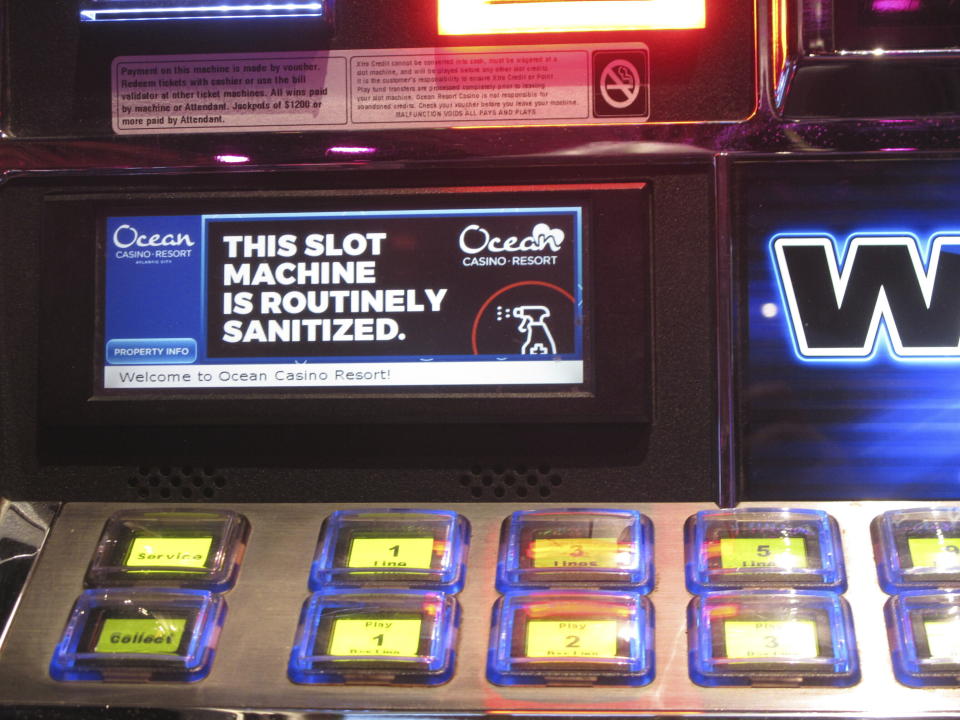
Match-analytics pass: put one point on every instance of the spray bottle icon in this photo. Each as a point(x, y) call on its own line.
point(539, 341)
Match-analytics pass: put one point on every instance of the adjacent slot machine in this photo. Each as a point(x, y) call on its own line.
point(480, 357)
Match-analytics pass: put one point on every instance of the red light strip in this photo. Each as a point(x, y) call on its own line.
point(496, 17)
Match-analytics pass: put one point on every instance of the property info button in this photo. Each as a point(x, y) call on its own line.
point(162, 351)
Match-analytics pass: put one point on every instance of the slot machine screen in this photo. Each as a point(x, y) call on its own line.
point(849, 335)
point(443, 297)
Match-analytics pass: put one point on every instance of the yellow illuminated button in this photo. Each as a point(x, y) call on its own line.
point(943, 638)
point(938, 552)
point(780, 552)
point(153, 636)
point(771, 639)
point(579, 553)
point(572, 638)
point(402, 552)
point(183, 552)
point(375, 637)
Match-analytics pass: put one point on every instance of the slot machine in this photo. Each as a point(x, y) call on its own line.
point(480, 357)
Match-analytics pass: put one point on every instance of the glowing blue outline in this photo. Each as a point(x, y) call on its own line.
point(224, 10)
point(882, 339)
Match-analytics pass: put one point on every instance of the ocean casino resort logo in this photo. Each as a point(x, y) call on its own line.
point(475, 239)
point(131, 244)
point(837, 307)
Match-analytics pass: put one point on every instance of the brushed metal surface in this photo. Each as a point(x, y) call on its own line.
point(250, 668)
point(24, 527)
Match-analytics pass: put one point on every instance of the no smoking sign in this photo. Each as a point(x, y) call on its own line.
point(620, 83)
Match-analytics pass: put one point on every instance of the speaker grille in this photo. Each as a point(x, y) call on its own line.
point(500, 482)
point(166, 482)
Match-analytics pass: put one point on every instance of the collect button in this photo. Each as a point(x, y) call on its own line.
point(139, 636)
point(153, 351)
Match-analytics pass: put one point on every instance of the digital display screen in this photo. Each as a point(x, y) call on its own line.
point(771, 639)
point(580, 552)
point(572, 639)
point(474, 296)
point(943, 638)
point(850, 347)
point(391, 552)
point(780, 552)
point(375, 637)
point(184, 552)
point(935, 552)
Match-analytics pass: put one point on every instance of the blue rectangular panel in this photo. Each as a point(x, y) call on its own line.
point(849, 322)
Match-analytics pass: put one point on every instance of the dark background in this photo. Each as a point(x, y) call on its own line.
point(417, 253)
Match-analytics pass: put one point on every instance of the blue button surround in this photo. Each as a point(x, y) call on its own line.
point(892, 532)
point(836, 664)
point(75, 660)
point(704, 532)
point(310, 660)
point(914, 661)
point(634, 533)
point(447, 572)
point(634, 665)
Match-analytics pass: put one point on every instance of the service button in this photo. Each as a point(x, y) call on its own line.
point(170, 548)
point(139, 635)
point(572, 637)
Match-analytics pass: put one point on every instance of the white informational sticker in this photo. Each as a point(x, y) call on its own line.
point(379, 89)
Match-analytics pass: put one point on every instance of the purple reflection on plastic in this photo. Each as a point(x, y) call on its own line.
point(232, 159)
point(351, 150)
point(885, 6)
